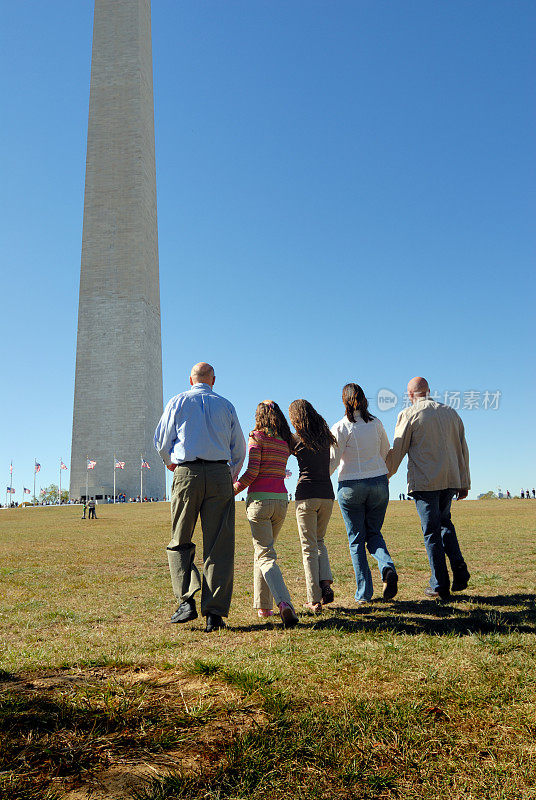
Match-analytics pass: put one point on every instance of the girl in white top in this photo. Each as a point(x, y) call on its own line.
point(363, 490)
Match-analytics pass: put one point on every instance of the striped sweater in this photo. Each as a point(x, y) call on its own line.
point(267, 462)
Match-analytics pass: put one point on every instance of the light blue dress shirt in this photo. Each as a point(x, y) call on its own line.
point(200, 424)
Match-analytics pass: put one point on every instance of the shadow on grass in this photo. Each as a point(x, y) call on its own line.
point(43, 739)
point(426, 616)
point(528, 600)
point(440, 619)
point(48, 737)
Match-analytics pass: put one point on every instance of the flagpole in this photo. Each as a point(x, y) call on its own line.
point(59, 500)
point(87, 479)
point(33, 499)
point(11, 483)
point(141, 478)
point(114, 476)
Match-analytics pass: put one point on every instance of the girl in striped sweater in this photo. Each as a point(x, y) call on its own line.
point(270, 445)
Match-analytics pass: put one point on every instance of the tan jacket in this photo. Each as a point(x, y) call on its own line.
point(433, 437)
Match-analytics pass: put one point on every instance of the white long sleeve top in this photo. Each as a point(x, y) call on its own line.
point(360, 450)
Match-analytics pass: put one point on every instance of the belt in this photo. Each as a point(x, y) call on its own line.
point(201, 461)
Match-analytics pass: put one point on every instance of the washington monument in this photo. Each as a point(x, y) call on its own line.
point(118, 382)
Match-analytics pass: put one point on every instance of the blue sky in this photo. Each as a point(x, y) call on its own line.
point(346, 192)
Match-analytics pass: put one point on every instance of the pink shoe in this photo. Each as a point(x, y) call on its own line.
point(288, 615)
point(316, 608)
point(265, 612)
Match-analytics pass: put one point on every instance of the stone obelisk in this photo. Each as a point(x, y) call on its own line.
point(118, 383)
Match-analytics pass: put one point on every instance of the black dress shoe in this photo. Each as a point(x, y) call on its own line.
point(460, 581)
point(328, 595)
point(185, 612)
point(439, 595)
point(214, 621)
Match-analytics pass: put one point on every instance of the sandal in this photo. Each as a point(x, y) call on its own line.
point(316, 608)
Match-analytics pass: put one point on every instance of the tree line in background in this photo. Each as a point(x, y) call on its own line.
point(50, 494)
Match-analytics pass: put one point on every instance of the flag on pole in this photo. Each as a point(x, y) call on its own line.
point(10, 490)
point(145, 464)
point(42, 492)
point(119, 465)
point(11, 468)
point(91, 464)
point(62, 465)
point(26, 491)
point(37, 466)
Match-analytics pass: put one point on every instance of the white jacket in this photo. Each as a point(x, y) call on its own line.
point(361, 449)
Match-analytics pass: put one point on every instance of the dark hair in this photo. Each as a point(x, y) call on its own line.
point(312, 429)
point(270, 419)
point(354, 400)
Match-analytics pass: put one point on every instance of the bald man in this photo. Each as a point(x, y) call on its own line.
point(200, 440)
point(433, 437)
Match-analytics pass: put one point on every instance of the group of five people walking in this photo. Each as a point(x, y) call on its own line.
point(200, 440)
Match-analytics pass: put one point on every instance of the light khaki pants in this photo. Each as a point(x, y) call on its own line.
point(313, 516)
point(265, 519)
point(203, 489)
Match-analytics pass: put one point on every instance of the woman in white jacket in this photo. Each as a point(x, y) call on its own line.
point(363, 490)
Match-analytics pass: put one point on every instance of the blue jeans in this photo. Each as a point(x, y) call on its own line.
point(363, 505)
point(440, 538)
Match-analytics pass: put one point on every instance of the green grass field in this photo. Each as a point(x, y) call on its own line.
point(102, 698)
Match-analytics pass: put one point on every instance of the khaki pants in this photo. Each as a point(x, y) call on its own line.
point(203, 489)
point(312, 516)
point(265, 519)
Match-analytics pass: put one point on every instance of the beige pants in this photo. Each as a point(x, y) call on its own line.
point(313, 516)
point(265, 519)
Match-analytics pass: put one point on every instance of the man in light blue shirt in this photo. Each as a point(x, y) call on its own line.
point(200, 440)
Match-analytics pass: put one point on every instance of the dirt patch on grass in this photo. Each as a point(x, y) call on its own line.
point(100, 732)
point(115, 782)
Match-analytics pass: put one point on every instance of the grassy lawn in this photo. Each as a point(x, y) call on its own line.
point(407, 699)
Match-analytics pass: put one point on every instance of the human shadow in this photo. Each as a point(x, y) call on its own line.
point(528, 600)
point(502, 614)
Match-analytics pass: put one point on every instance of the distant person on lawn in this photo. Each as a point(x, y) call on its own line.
point(433, 437)
point(200, 440)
